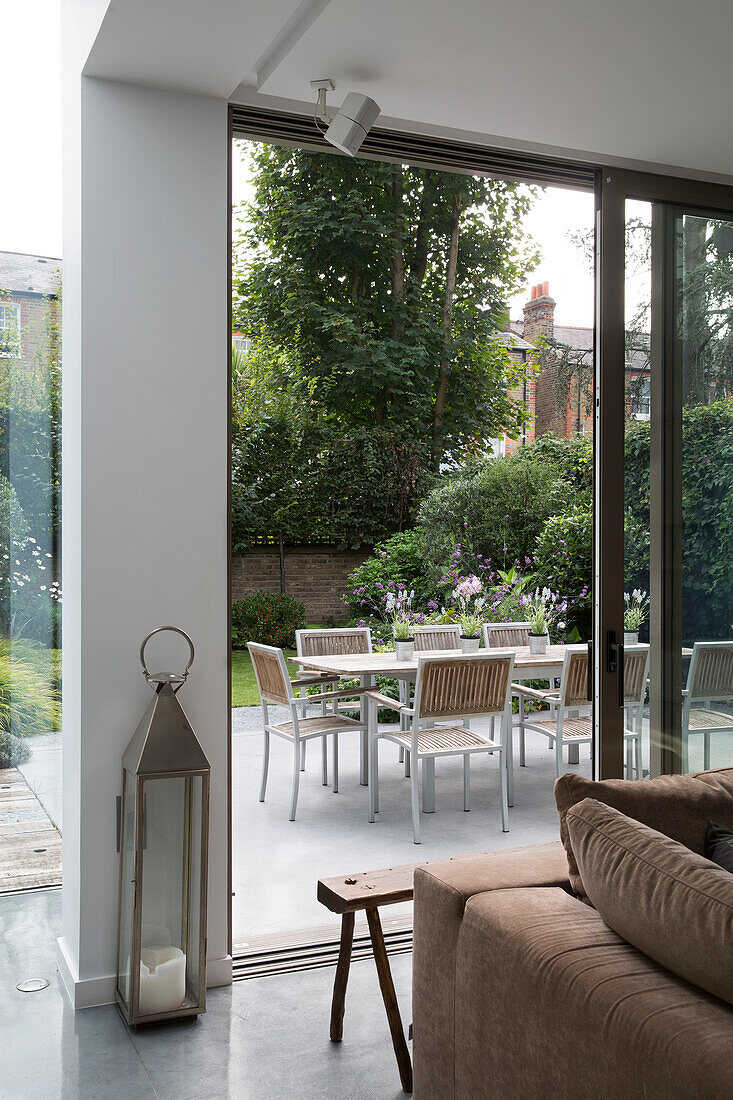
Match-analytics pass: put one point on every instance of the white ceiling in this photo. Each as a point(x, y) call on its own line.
point(634, 81)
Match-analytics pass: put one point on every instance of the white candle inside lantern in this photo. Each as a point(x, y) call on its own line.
point(162, 979)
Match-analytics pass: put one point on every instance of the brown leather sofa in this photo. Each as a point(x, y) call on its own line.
point(520, 990)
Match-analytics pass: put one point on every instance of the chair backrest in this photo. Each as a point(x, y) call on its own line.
point(323, 643)
point(271, 673)
point(711, 671)
point(636, 669)
point(506, 634)
point(574, 682)
point(440, 636)
point(479, 683)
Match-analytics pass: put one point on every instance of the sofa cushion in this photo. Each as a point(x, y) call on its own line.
point(719, 845)
point(671, 903)
point(679, 806)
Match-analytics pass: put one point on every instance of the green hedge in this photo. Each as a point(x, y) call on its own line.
point(269, 618)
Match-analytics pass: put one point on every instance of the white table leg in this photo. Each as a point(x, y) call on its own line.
point(365, 681)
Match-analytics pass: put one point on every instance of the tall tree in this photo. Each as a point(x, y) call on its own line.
point(385, 284)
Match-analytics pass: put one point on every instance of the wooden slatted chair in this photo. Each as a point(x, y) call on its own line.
point(275, 688)
point(709, 681)
point(323, 643)
point(437, 636)
point(568, 721)
point(511, 635)
point(636, 672)
point(453, 688)
point(431, 637)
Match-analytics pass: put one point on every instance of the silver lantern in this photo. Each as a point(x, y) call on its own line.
point(163, 842)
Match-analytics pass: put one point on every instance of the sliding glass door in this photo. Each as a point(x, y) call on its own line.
point(664, 531)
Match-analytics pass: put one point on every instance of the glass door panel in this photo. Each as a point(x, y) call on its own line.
point(703, 349)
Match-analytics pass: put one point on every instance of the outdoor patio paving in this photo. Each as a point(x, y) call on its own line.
point(277, 863)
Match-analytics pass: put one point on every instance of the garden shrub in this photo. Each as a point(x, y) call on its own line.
point(270, 618)
point(564, 562)
point(29, 694)
point(393, 564)
point(13, 750)
point(496, 508)
point(707, 506)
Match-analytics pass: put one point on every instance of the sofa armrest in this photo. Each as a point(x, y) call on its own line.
point(442, 891)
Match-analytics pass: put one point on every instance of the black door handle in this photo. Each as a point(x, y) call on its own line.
point(615, 662)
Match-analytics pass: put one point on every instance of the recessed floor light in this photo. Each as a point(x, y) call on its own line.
point(33, 985)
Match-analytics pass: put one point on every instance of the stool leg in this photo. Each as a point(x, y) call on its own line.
point(342, 977)
point(389, 997)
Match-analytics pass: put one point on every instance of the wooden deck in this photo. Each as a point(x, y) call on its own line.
point(30, 845)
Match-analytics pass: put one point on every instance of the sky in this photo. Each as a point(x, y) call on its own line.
point(30, 185)
point(30, 91)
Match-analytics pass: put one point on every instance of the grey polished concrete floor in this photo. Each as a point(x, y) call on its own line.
point(263, 1039)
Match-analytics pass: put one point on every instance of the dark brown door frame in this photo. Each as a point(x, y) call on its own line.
point(668, 196)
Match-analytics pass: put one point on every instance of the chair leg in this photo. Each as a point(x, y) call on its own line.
point(706, 751)
point(522, 733)
point(415, 805)
point(401, 757)
point(638, 747)
point(302, 755)
point(467, 781)
point(335, 763)
point(558, 757)
point(324, 761)
point(303, 703)
point(428, 785)
point(504, 796)
point(408, 764)
point(265, 765)
point(296, 781)
point(629, 761)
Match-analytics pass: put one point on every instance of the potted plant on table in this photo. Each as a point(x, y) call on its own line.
point(635, 613)
point(538, 618)
point(470, 632)
point(398, 609)
point(469, 596)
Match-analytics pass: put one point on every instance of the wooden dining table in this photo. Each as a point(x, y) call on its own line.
point(366, 666)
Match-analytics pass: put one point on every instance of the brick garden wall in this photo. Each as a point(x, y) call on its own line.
point(315, 575)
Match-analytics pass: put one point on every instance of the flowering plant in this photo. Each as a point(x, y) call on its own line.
point(635, 610)
point(398, 609)
point(540, 608)
point(471, 625)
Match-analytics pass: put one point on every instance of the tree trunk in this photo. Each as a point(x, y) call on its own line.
point(444, 371)
point(397, 260)
point(419, 264)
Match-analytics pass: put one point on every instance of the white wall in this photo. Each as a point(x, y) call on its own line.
point(145, 471)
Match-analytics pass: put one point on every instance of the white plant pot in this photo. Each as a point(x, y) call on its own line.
point(403, 649)
point(631, 637)
point(470, 645)
point(538, 643)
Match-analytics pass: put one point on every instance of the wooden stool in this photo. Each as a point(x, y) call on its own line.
point(368, 891)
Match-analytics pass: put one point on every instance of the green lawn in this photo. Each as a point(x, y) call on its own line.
point(244, 685)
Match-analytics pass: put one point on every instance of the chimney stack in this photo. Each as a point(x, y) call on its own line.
point(539, 313)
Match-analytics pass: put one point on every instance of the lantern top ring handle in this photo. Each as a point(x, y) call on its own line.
point(177, 678)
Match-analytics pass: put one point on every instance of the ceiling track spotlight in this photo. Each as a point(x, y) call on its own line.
point(346, 129)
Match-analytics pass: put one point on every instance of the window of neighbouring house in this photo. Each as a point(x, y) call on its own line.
point(9, 330)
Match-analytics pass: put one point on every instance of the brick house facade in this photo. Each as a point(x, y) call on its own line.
point(29, 311)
